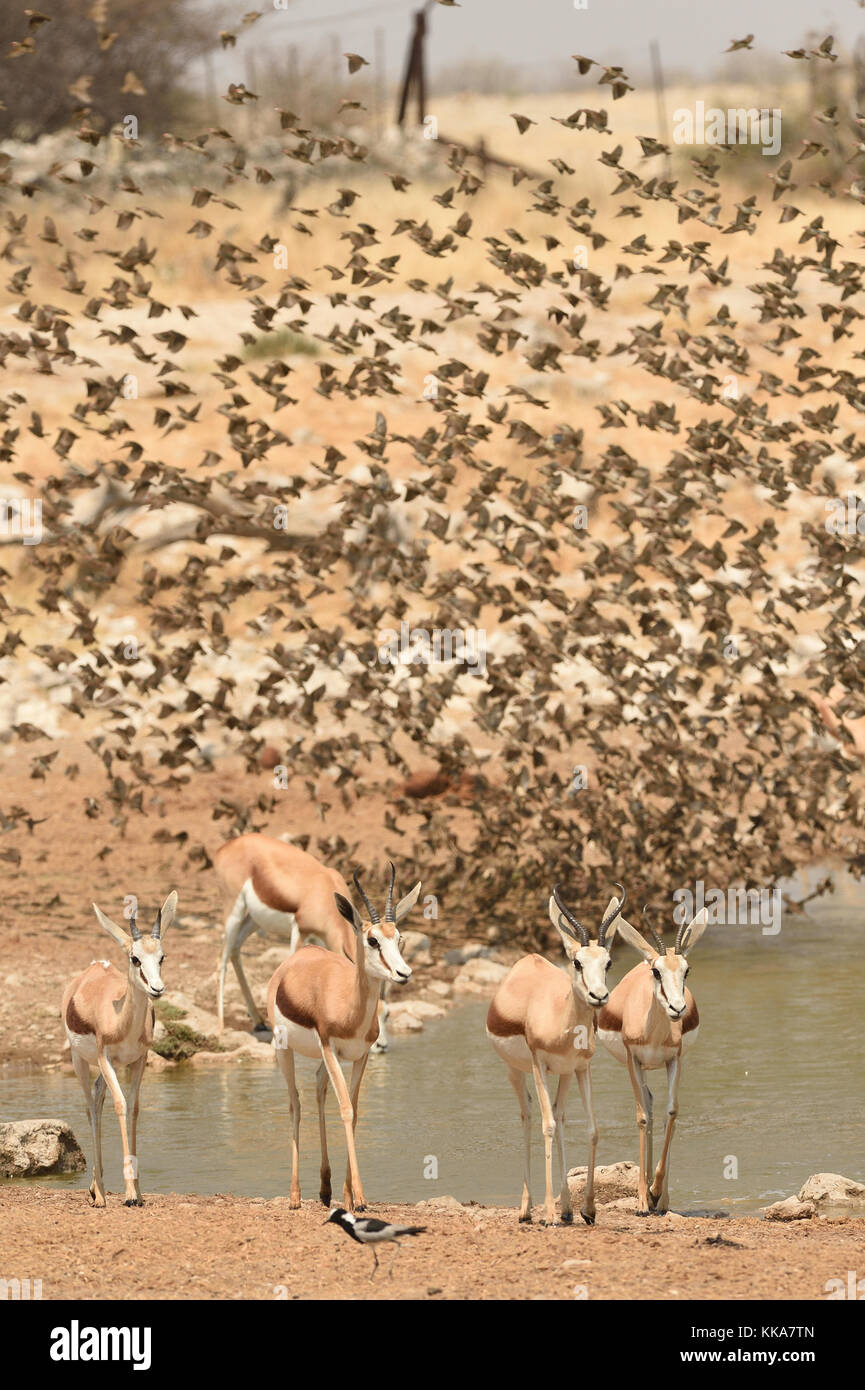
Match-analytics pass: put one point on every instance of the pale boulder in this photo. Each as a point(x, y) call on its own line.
point(612, 1182)
point(791, 1209)
point(834, 1195)
point(29, 1148)
point(480, 976)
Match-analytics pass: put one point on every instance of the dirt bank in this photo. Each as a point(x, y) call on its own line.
point(236, 1248)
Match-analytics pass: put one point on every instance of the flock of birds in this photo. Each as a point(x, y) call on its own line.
point(623, 645)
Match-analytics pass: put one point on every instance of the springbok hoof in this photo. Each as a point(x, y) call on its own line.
point(589, 1219)
point(526, 1220)
point(134, 1202)
point(263, 1032)
point(568, 1218)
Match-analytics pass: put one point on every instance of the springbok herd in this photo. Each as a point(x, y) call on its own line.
point(323, 1002)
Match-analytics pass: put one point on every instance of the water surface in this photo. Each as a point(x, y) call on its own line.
point(772, 1090)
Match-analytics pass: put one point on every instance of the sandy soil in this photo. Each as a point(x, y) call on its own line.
point(234, 1248)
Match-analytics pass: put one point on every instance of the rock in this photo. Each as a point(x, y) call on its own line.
point(443, 988)
point(441, 1204)
point(620, 1204)
point(418, 1008)
point(201, 1020)
point(269, 757)
point(834, 1195)
point(612, 1181)
point(404, 1022)
point(415, 947)
point(29, 1148)
point(460, 954)
point(273, 956)
point(480, 976)
point(791, 1209)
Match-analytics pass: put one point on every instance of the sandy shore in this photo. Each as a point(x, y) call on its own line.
point(179, 1247)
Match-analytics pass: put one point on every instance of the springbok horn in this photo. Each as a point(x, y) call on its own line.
point(682, 939)
point(373, 915)
point(580, 934)
point(133, 929)
point(608, 921)
point(389, 914)
point(158, 927)
point(659, 945)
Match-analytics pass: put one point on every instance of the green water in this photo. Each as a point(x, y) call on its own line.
point(775, 1081)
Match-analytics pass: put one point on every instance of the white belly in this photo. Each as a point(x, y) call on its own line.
point(649, 1058)
point(306, 1042)
point(121, 1055)
point(268, 919)
point(612, 1041)
point(515, 1052)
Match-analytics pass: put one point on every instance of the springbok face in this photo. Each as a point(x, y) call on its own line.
point(668, 979)
point(669, 965)
point(381, 954)
point(145, 952)
point(590, 960)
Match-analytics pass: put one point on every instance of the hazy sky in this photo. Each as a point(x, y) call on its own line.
point(535, 33)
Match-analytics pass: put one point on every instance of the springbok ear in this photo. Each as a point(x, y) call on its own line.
point(634, 938)
point(348, 911)
point(694, 931)
point(120, 936)
point(406, 904)
point(569, 941)
point(168, 913)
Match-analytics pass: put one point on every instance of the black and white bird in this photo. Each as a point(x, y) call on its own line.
point(368, 1230)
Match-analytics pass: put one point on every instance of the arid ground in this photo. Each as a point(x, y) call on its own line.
point(232, 1248)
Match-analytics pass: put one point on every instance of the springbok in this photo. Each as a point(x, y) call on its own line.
point(324, 1006)
point(109, 1024)
point(542, 1020)
point(287, 893)
point(650, 1021)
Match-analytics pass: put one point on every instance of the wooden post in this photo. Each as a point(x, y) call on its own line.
point(421, 67)
point(251, 86)
point(660, 101)
point(414, 69)
point(292, 76)
point(380, 82)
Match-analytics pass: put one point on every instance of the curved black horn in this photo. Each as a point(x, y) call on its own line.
point(158, 925)
point(373, 915)
point(659, 945)
point(608, 921)
point(133, 928)
point(580, 934)
point(682, 936)
point(389, 914)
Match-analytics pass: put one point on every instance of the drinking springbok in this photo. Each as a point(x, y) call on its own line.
point(287, 893)
point(324, 1005)
point(109, 1024)
point(650, 1021)
point(542, 1020)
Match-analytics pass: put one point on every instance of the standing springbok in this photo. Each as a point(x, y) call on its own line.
point(109, 1024)
point(650, 1021)
point(324, 1006)
point(542, 1020)
point(289, 894)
